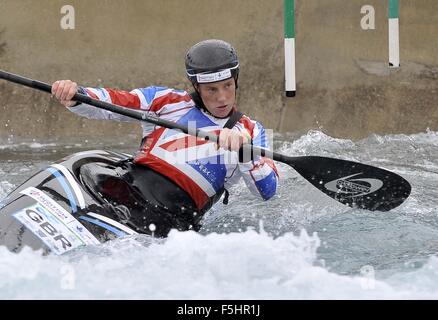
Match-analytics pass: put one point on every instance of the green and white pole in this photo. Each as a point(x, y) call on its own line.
point(289, 47)
point(394, 48)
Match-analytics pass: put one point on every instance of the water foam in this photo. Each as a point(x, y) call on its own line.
point(248, 265)
point(276, 264)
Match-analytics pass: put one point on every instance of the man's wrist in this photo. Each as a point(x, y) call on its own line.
point(81, 90)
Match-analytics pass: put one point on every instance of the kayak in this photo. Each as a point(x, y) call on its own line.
point(84, 199)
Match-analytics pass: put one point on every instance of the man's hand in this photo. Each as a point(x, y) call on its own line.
point(232, 139)
point(64, 90)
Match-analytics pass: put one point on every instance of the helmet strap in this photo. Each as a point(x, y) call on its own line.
point(196, 96)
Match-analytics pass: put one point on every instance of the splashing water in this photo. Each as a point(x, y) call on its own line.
point(299, 245)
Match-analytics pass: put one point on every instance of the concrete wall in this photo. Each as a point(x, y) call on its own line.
point(343, 84)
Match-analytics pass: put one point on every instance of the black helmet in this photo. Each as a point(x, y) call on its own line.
point(211, 61)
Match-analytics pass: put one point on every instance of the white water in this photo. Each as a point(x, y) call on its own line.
point(299, 245)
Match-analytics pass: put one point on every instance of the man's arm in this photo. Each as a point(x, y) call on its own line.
point(150, 99)
point(260, 174)
point(64, 90)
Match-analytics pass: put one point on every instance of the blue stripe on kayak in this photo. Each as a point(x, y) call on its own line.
point(116, 231)
point(65, 186)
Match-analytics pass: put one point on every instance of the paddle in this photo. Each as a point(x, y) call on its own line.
point(351, 183)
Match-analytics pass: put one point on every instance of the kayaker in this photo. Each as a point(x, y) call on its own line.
point(185, 175)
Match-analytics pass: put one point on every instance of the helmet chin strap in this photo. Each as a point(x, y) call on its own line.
point(196, 97)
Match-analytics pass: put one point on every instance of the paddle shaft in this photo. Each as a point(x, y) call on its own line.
point(142, 116)
point(351, 183)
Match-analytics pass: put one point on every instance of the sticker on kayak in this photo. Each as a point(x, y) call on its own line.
point(61, 214)
point(56, 235)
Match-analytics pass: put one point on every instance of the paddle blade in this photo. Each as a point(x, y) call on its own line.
point(354, 184)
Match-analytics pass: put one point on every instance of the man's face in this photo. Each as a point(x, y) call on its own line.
point(218, 97)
